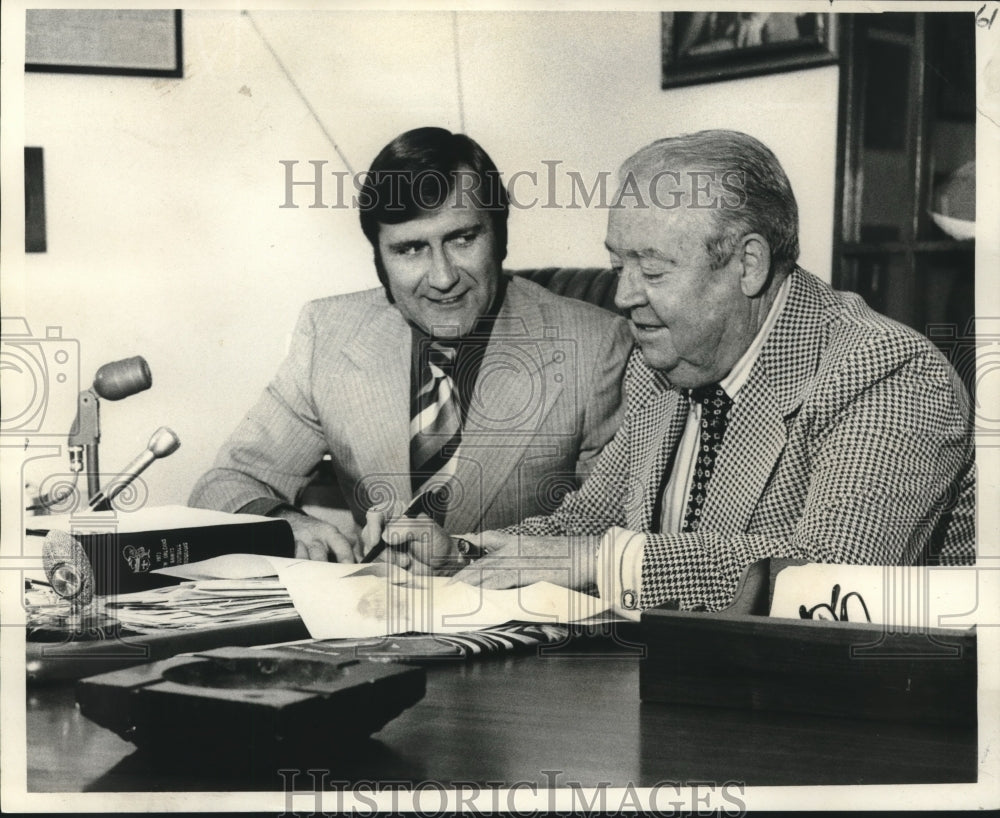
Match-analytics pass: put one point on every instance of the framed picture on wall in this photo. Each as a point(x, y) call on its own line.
point(131, 42)
point(34, 201)
point(710, 46)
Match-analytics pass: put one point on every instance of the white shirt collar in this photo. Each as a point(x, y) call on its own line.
point(738, 375)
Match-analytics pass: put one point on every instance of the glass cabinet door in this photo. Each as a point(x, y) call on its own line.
point(906, 199)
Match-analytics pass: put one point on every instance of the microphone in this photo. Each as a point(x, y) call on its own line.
point(120, 379)
point(163, 442)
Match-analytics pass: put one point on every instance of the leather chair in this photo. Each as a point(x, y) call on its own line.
point(596, 285)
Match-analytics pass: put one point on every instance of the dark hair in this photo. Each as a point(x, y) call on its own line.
point(417, 172)
point(766, 202)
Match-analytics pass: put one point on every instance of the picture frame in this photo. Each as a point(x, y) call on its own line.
point(34, 201)
point(699, 47)
point(124, 42)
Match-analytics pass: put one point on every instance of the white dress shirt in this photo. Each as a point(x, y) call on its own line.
point(619, 556)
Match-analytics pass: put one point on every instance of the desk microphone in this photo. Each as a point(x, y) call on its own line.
point(120, 379)
point(163, 442)
point(113, 381)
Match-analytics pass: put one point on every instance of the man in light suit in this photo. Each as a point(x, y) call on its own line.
point(767, 414)
point(453, 374)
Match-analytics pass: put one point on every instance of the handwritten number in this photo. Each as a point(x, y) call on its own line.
point(982, 21)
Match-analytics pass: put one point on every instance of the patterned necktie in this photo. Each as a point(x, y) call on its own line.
point(715, 406)
point(436, 423)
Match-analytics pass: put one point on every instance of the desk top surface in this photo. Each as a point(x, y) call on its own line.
point(556, 720)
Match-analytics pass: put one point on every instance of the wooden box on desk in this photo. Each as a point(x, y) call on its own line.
point(742, 658)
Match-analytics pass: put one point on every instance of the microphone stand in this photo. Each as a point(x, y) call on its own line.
point(83, 441)
point(113, 381)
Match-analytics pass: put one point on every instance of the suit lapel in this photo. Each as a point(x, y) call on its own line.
point(515, 391)
point(657, 424)
point(377, 400)
point(668, 413)
point(773, 393)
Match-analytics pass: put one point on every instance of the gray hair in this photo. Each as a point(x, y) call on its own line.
point(764, 202)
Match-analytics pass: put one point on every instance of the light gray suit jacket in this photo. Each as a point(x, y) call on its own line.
point(850, 442)
point(547, 399)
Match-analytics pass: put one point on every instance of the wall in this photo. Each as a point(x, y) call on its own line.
point(166, 238)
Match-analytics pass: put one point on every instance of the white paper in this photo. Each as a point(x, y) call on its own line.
point(381, 599)
point(352, 601)
point(229, 566)
point(905, 597)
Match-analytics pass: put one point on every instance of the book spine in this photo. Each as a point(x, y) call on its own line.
point(122, 562)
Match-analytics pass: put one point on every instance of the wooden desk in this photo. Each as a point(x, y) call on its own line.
point(510, 719)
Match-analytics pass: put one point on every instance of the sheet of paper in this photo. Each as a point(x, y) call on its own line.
point(910, 597)
point(230, 566)
point(380, 599)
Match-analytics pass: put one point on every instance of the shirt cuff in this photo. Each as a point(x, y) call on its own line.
point(619, 570)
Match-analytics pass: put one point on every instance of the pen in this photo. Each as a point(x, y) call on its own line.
point(422, 503)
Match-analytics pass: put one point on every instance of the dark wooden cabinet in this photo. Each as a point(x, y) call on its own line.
point(906, 154)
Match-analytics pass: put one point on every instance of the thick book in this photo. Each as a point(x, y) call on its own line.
point(124, 548)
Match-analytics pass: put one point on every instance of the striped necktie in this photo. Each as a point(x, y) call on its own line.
point(715, 406)
point(436, 423)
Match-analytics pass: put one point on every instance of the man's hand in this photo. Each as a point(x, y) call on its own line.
point(417, 544)
point(515, 560)
point(316, 539)
point(372, 532)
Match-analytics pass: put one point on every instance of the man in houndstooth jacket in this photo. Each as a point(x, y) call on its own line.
point(847, 438)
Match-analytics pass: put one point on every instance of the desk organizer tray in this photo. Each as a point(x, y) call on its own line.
point(742, 658)
point(249, 708)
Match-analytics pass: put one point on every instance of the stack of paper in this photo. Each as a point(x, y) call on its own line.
point(339, 601)
point(205, 603)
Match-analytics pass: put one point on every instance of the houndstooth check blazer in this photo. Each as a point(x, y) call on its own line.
point(848, 443)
